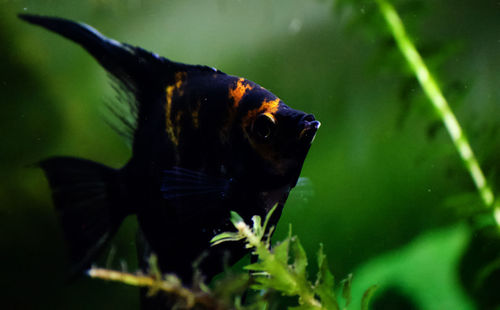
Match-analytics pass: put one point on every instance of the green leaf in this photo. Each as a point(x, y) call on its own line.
point(346, 289)
point(300, 257)
point(256, 267)
point(272, 275)
point(257, 227)
point(236, 218)
point(427, 264)
point(225, 236)
point(367, 297)
point(325, 282)
point(261, 283)
point(282, 284)
point(268, 217)
point(280, 251)
point(324, 277)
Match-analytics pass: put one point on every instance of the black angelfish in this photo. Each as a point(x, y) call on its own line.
point(203, 143)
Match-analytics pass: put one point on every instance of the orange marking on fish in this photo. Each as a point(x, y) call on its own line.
point(271, 116)
point(239, 91)
point(178, 118)
point(171, 90)
point(272, 106)
point(170, 127)
point(268, 107)
point(180, 77)
point(236, 93)
point(195, 115)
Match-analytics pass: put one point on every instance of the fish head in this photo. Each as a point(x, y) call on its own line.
point(277, 139)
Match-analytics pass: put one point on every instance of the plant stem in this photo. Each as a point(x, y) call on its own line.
point(171, 286)
point(433, 92)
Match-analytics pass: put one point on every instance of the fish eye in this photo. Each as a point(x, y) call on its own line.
point(263, 126)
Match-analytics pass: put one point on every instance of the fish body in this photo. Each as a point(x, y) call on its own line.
point(203, 143)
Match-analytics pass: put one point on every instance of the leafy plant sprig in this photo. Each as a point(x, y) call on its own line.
point(283, 268)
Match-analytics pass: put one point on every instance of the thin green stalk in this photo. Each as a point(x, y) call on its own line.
point(433, 92)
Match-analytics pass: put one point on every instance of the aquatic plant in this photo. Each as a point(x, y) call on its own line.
point(281, 269)
point(440, 104)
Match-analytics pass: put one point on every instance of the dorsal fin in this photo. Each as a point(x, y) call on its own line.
point(138, 71)
point(123, 61)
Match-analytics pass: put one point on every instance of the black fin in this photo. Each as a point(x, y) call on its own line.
point(123, 113)
point(131, 67)
point(180, 182)
point(137, 71)
point(125, 62)
point(188, 190)
point(87, 199)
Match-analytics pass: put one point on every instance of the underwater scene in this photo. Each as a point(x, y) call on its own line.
point(259, 154)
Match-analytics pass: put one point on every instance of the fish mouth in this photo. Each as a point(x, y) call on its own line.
point(311, 126)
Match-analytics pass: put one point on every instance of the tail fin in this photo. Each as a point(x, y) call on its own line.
point(87, 199)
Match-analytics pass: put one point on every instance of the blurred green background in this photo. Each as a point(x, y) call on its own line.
point(389, 197)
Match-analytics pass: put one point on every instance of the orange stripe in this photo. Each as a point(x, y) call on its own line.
point(268, 107)
point(173, 133)
point(195, 114)
point(235, 93)
point(239, 91)
point(170, 125)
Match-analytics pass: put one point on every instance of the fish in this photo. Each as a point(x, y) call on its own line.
point(203, 143)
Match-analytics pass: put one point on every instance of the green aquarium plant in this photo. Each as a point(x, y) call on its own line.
point(440, 104)
point(279, 269)
point(471, 252)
